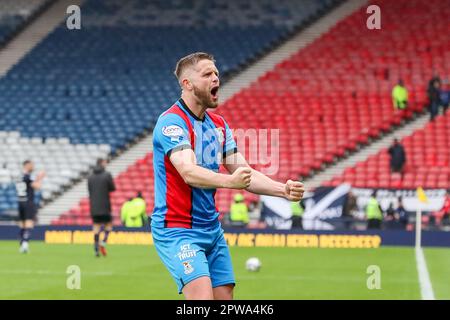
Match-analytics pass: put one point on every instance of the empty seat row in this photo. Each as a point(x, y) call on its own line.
point(331, 96)
point(14, 14)
point(427, 165)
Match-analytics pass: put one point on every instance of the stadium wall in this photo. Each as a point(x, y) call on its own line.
point(245, 237)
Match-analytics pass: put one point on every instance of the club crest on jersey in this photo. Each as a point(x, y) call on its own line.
point(220, 135)
point(173, 131)
point(188, 268)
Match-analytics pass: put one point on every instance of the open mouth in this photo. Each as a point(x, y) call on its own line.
point(214, 92)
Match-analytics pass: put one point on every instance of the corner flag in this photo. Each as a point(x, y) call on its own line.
point(421, 195)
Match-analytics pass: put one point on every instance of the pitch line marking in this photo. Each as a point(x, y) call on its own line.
point(426, 289)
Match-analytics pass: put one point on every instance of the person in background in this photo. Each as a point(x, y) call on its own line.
point(401, 214)
point(349, 209)
point(297, 210)
point(434, 96)
point(125, 209)
point(374, 213)
point(443, 216)
point(100, 185)
point(134, 213)
point(398, 157)
point(27, 208)
point(239, 211)
point(253, 205)
point(400, 96)
point(390, 221)
point(390, 213)
point(445, 94)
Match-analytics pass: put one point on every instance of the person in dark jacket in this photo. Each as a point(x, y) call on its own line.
point(434, 96)
point(401, 214)
point(100, 184)
point(398, 156)
point(349, 209)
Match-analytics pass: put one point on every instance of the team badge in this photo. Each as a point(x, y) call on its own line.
point(220, 135)
point(188, 268)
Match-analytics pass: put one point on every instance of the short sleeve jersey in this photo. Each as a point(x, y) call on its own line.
point(178, 205)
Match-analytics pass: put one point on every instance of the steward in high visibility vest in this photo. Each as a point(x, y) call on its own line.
point(400, 96)
point(374, 213)
point(297, 211)
point(124, 211)
point(133, 214)
point(239, 210)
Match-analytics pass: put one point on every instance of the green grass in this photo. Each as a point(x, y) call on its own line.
point(135, 272)
point(438, 263)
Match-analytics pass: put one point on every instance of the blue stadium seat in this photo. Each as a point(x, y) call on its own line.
point(109, 81)
point(14, 14)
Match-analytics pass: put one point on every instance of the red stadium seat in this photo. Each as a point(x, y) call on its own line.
point(427, 165)
point(335, 94)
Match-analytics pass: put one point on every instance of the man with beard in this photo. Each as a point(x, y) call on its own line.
point(189, 144)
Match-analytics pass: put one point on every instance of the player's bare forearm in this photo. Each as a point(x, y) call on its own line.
point(37, 184)
point(263, 185)
point(260, 183)
point(200, 177)
point(196, 176)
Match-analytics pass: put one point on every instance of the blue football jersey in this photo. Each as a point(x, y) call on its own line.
point(178, 205)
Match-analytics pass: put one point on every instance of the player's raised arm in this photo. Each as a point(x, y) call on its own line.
point(185, 163)
point(37, 184)
point(262, 184)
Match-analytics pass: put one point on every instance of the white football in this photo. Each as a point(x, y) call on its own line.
point(253, 264)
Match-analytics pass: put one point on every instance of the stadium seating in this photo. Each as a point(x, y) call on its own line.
point(109, 82)
point(335, 94)
point(427, 162)
point(14, 14)
point(328, 98)
point(63, 162)
point(119, 68)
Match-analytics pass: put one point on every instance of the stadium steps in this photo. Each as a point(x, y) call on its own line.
point(79, 191)
point(366, 151)
point(16, 15)
point(234, 84)
point(34, 33)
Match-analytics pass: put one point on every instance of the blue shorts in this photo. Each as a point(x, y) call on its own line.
point(193, 253)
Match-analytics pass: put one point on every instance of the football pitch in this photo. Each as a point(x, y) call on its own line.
point(135, 272)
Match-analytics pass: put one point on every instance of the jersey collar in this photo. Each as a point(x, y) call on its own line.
point(185, 107)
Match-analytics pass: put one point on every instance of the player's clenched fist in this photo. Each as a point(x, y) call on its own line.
point(294, 190)
point(240, 179)
point(41, 175)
